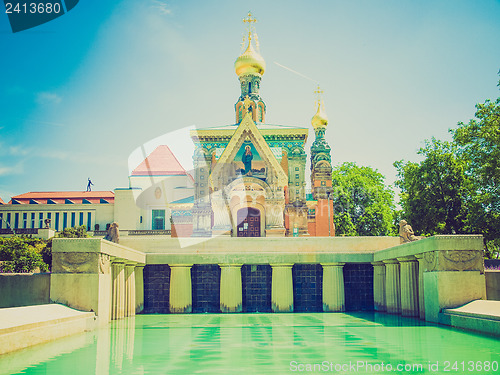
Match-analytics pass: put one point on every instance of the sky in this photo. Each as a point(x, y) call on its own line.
point(80, 93)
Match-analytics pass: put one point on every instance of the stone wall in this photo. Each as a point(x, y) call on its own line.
point(24, 289)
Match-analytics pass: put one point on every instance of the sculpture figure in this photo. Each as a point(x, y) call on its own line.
point(113, 234)
point(89, 184)
point(406, 233)
point(47, 223)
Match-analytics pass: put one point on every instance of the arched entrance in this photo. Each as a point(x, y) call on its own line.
point(248, 222)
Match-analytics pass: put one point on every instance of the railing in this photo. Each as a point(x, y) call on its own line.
point(20, 231)
point(155, 232)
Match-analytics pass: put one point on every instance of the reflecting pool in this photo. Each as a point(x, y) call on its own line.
point(368, 343)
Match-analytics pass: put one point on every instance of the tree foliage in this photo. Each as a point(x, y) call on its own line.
point(456, 188)
point(21, 255)
point(363, 204)
point(434, 192)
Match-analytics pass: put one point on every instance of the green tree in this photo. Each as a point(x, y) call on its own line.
point(435, 192)
point(21, 254)
point(479, 144)
point(363, 204)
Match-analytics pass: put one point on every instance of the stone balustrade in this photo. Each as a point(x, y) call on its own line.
point(414, 279)
point(92, 274)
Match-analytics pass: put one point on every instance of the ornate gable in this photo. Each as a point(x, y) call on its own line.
point(247, 130)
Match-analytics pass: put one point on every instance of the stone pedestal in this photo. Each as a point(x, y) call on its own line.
point(379, 286)
point(118, 300)
point(180, 300)
point(282, 288)
point(230, 288)
point(333, 287)
point(409, 286)
point(392, 286)
point(139, 288)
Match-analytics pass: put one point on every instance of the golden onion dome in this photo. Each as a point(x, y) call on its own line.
point(319, 120)
point(250, 62)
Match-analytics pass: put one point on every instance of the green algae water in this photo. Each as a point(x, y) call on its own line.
point(366, 343)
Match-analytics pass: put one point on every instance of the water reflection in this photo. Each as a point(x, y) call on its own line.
point(254, 343)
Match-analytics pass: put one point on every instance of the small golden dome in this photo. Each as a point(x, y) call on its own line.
point(250, 62)
point(319, 120)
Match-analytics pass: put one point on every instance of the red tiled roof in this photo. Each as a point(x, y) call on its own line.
point(1, 201)
point(161, 162)
point(59, 197)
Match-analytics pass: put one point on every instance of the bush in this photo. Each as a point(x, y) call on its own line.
point(22, 255)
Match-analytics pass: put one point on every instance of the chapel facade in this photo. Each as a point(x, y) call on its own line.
point(250, 177)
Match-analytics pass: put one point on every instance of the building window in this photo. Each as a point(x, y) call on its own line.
point(25, 220)
point(323, 183)
point(16, 220)
point(297, 176)
point(57, 221)
point(40, 220)
point(89, 220)
point(73, 219)
point(297, 192)
point(296, 184)
point(158, 220)
point(81, 218)
point(33, 220)
point(202, 177)
point(297, 168)
point(65, 220)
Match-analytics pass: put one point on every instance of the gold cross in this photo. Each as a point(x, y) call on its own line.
point(318, 93)
point(250, 20)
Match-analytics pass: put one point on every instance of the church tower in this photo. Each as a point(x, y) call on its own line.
point(250, 67)
point(321, 171)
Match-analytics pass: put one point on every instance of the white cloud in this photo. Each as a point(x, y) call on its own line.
point(161, 7)
point(16, 169)
point(46, 98)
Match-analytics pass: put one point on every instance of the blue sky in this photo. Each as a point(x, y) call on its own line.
point(79, 94)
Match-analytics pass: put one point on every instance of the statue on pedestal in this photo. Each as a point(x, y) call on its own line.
point(406, 233)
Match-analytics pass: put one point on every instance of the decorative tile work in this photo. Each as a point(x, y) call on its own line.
point(256, 283)
point(358, 287)
point(307, 288)
point(205, 280)
point(156, 289)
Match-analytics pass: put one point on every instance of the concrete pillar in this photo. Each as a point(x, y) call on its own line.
point(379, 286)
point(181, 300)
point(392, 286)
point(409, 286)
point(118, 300)
point(230, 288)
point(139, 288)
point(282, 288)
point(421, 292)
point(333, 287)
point(129, 289)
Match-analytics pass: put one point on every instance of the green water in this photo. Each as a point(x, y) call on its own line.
point(263, 344)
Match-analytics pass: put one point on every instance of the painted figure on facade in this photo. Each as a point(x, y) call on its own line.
point(406, 233)
point(247, 159)
point(89, 184)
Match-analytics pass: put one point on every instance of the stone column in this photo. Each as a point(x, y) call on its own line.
point(379, 286)
point(129, 289)
point(392, 286)
point(139, 288)
point(333, 287)
point(421, 292)
point(230, 288)
point(409, 286)
point(180, 300)
point(282, 288)
point(118, 300)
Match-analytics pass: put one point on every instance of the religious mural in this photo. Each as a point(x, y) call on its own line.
point(248, 162)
